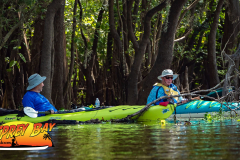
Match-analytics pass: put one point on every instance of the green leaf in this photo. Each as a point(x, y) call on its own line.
point(22, 57)
point(12, 63)
point(18, 65)
point(17, 47)
point(7, 59)
point(9, 70)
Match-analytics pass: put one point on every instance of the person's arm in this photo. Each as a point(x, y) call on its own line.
point(45, 105)
point(196, 98)
point(155, 93)
point(184, 100)
point(27, 101)
point(181, 99)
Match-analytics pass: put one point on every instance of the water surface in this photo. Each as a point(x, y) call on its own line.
point(144, 140)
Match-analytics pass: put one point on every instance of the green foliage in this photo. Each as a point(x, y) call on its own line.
point(7, 59)
point(88, 26)
point(208, 117)
point(91, 106)
point(27, 2)
point(217, 116)
point(222, 72)
point(81, 94)
point(17, 47)
point(9, 17)
point(199, 20)
point(12, 63)
point(22, 57)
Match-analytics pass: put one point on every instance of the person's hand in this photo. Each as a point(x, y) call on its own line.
point(196, 98)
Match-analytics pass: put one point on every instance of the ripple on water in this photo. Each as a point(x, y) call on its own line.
point(145, 140)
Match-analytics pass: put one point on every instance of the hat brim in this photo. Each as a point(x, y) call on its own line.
point(174, 76)
point(36, 83)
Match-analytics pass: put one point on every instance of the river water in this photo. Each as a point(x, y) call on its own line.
point(142, 140)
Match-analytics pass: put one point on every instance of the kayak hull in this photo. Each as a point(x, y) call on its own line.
point(199, 108)
point(118, 112)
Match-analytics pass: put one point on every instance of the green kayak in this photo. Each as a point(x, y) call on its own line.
point(108, 113)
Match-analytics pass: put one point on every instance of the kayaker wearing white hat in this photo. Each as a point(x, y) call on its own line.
point(33, 98)
point(165, 88)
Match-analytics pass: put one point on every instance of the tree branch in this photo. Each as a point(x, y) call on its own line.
point(130, 28)
point(67, 84)
point(183, 37)
point(83, 36)
point(10, 33)
point(185, 11)
point(112, 26)
point(220, 100)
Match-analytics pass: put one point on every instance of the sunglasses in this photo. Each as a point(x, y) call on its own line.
point(168, 77)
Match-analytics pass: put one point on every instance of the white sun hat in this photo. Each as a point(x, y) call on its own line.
point(168, 72)
point(35, 80)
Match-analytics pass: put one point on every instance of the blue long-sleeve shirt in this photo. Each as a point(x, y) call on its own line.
point(158, 92)
point(37, 101)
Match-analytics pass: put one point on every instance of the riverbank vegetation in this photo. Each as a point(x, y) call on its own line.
point(115, 49)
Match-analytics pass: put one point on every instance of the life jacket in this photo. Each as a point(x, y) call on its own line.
point(167, 92)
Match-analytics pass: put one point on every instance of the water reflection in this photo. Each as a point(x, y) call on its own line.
point(148, 140)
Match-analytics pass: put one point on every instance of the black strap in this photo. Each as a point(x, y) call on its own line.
point(157, 92)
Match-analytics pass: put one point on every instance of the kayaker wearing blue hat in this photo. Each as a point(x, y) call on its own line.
point(165, 88)
point(33, 98)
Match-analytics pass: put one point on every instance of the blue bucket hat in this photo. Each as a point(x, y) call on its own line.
point(34, 80)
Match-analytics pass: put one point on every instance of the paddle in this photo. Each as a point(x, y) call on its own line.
point(29, 111)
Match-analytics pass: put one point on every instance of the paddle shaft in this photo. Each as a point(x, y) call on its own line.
point(44, 112)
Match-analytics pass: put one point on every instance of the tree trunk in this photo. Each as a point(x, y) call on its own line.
point(36, 47)
point(8, 95)
point(231, 26)
point(156, 37)
point(135, 13)
point(58, 82)
point(19, 86)
point(93, 68)
point(212, 77)
point(75, 88)
point(109, 80)
point(117, 78)
point(165, 51)
point(125, 33)
point(68, 83)
point(135, 69)
point(46, 61)
point(112, 25)
point(148, 56)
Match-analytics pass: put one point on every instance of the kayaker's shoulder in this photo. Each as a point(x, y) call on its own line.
point(173, 86)
point(157, 87)
point(30, 95)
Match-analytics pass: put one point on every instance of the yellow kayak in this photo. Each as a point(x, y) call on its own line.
point(107, 113)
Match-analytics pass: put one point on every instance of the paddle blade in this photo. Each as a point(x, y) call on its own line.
point(29, 111)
